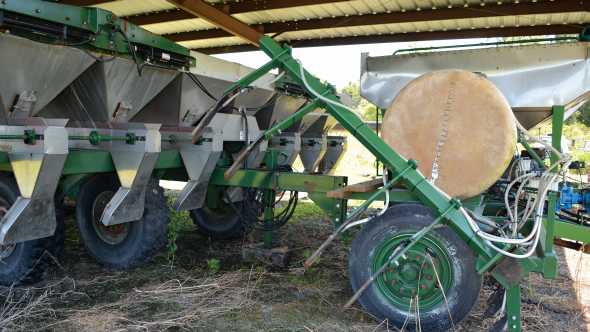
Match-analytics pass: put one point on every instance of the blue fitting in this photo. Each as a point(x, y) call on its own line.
point(569, 196)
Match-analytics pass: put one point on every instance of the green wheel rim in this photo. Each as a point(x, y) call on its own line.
point(414, 275)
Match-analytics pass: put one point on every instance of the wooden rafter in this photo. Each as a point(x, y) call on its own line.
point(233, 26)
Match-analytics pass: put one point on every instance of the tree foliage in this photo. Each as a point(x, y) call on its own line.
point(363, 106)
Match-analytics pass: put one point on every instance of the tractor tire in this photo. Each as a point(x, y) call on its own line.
point(25, 262)
point(219, 224)
point(127, 245)
point(393, 294)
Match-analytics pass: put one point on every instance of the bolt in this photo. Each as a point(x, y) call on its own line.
point(337, 205)
point(337, 219)
point(513, 317)
point(514, 327)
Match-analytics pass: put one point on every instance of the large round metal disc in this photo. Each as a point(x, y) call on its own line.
point(457, 123)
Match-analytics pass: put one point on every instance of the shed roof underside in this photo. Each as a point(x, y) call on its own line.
point(340, 22)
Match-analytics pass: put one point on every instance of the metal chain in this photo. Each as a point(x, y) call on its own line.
point(444, 132)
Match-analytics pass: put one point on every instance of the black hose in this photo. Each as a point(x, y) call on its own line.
point(200, 85)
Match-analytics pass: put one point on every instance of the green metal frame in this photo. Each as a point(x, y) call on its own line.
point(98, 23)
point(103, 28)
point(415, 182)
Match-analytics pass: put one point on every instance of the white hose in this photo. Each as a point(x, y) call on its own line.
point(545, 183)
point(339, 104)
point(386, 203)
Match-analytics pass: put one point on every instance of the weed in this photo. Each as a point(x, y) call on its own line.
point(179, 222)
point(213, 265)
point(305, 211)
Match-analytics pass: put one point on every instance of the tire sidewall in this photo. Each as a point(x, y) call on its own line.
point(466, 284)
point(218, 226)
point(17, 268)
point(132, 250)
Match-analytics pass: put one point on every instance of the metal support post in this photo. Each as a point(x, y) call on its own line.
point(269, 201)
point(413, 180)
point(513, 308)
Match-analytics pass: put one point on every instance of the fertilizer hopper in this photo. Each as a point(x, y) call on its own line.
point(28, 81)
point(422, 90)
point(558, 74)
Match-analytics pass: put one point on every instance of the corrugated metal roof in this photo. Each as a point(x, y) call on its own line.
point(465, 24)
point(343, 9)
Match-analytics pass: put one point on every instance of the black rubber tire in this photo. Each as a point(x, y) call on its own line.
point(30, 259)
point(145, 237)
point(219, 225)
point(412, 217)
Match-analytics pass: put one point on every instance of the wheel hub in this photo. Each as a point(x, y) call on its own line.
point(114, 234)
point(413, 276)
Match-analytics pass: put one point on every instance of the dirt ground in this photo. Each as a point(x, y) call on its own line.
point(210, 288)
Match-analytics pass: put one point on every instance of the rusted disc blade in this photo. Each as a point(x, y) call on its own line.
point(457, 122)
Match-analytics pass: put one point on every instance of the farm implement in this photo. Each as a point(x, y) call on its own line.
point(98, 110)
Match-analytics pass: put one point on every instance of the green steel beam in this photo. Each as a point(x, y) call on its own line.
point(413, 180)
point(571, 231)
point(97, 28)
point(279, 180)
point(532, 153)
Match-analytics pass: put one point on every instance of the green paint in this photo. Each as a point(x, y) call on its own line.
point(412, 180)
point(532, 153)
point(513, 308)
point(97, 24)
point(414, 275)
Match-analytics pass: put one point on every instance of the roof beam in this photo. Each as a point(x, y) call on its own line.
point(83, 3)
point(414, 36)
point(228, 8)
point(213, 15)
point(492, 10)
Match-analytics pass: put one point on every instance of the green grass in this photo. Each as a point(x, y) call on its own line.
point(306, 211)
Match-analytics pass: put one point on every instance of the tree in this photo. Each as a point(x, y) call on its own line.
point(363, 106)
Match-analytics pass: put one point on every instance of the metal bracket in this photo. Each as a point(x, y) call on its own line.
point(288, 146)
point(336, 147)
point(134, 168)
point(200, 162)
point(24, 105)
point(121, 113)
point(37, 169)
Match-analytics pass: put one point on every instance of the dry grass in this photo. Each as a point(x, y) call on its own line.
point(177, 303)
point(240, 297)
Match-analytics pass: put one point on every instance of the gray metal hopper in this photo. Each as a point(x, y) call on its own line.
point(532, 77)
point(36, 72)
point(110, 91)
